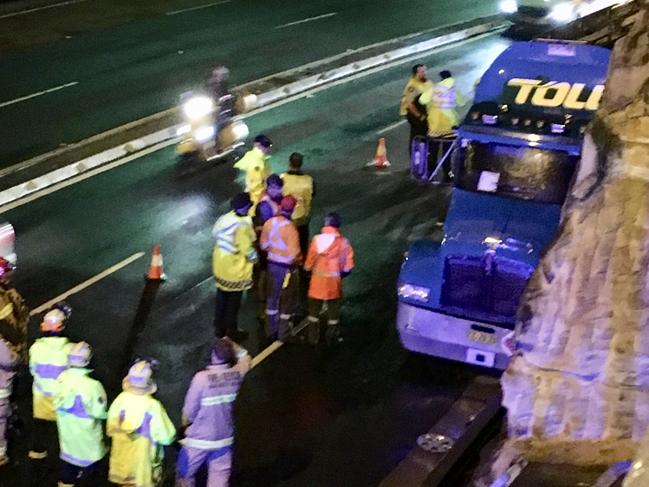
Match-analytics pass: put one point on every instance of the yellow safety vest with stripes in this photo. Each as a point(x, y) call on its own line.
point(234, 253)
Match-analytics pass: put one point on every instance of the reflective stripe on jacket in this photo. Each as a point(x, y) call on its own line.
point(234, 252)
point(330, 255)
point(139, 427)
point(254, 164)
point(48, 358)
point(300, 186)
point(279, 238)
point(80, 408)
point(208, 407)
point(441, 106)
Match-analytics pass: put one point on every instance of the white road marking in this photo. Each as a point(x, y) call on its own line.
point(86, 175)
point(23, 12)
point(39, 93)
point(276, 345)
point(303, 21)
point(390, 127)
point(266, 352)
point(87, 283)
point(198, 7)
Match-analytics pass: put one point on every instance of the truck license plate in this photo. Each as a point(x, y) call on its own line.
point(481, 337)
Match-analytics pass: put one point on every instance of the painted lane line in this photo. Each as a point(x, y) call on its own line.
point(39, 93)
point(276, 345)
point(266, 352)
point(88, 283)
point(198, 7)
point(390, 127)
point(303, 21)
point(23, 12)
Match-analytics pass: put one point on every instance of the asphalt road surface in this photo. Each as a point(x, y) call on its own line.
point(341, 418)
point(107, 63)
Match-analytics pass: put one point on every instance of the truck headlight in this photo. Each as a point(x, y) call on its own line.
point(564, 12)
point(198, 107)
point(418, 293)
point(508, 6)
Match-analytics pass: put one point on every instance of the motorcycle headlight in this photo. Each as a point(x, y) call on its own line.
point(564, 12)
point(183, 130)
point(203, 134)
point(508, 6)
point(198, 107)
point(409, 291)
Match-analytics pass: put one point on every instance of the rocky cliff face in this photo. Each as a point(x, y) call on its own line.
point(580, 392)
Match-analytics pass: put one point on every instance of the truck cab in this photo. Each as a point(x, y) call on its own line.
point(513, 162)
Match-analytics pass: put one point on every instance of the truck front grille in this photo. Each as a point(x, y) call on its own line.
point(484, 288)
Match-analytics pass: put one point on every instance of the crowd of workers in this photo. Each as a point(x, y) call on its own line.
point(69, 404)
point(262, 244)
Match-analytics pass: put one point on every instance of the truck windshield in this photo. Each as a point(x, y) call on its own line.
point(507, 170)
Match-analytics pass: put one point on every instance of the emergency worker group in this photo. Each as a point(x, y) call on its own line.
point(261, 246)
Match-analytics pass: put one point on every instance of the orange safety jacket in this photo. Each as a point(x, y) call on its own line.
point(330, 256)
point(280, 240)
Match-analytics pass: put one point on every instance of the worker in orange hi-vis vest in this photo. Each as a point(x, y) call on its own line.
point(280, 240)
point(330, 259)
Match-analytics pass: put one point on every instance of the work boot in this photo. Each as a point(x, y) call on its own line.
point(4, 459)
point(237, 335)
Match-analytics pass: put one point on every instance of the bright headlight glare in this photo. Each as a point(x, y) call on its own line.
point(203, 134)
point(564, 12)
point(198, 107)
point(418, 293)
point(508, 6)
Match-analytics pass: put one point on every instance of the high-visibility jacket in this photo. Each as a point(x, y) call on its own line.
point(48, 358)
point(441, 103)
point(234, 252)
point(254, 164)
point(14, 319)
point(139, 427)
point(8, 363)
point(280, 240)
point(80, 409)
point(208, 408)
point(412, 90)
point(330, 256)
point(300, 186)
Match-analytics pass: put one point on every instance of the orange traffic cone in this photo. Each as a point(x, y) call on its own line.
point(381, 156)
point(156, 273)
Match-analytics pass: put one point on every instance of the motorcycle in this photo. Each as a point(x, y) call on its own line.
point(213, 127)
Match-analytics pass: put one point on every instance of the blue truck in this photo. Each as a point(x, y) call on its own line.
point(513, 163)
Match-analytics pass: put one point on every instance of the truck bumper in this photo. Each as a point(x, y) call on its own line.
point(426, 331)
